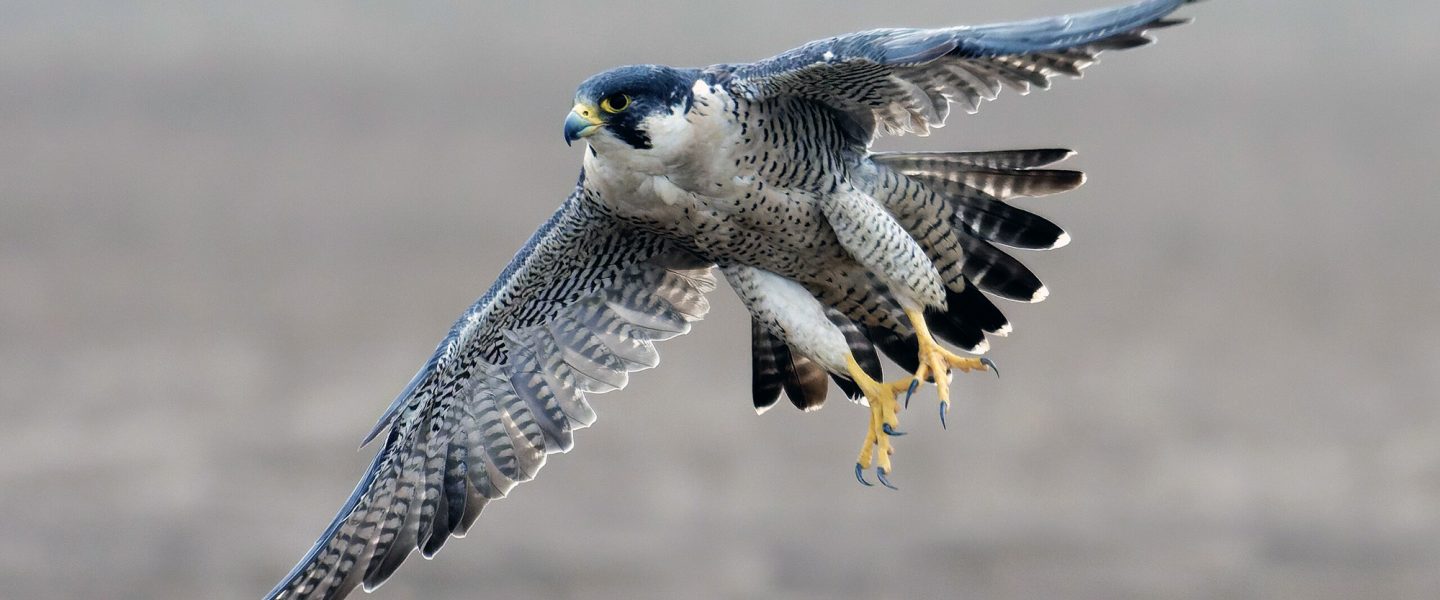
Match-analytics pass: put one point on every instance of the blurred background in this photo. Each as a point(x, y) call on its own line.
point(230, 232)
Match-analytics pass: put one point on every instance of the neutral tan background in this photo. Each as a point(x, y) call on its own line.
point(230, 232)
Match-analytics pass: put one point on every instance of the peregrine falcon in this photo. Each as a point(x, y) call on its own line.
point(764, 173)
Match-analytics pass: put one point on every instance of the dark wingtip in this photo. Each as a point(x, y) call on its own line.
point(1170, 22)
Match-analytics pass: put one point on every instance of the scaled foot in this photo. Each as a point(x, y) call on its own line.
point(936, 362)
point(884, 422)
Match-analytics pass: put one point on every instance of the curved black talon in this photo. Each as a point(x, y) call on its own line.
point(990, 363)
point(890, 430)
point(880, 474)
point(944, 407)
point(914, 383)
point(860, 475)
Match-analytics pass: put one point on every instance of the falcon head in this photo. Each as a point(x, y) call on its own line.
point(629, 105)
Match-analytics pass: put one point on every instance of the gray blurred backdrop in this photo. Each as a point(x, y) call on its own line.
point(229, 233)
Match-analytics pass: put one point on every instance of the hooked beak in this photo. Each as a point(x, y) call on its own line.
point(584, 121)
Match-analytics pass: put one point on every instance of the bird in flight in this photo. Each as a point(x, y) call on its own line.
point(763, 173)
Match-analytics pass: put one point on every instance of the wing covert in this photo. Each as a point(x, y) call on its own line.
point(903, 80)
point(576, 310)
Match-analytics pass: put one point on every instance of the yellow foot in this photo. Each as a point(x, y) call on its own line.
point(884, 422)
point(936, 362)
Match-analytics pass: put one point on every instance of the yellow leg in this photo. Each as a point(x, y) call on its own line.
point(884, 421)
point(936, 362)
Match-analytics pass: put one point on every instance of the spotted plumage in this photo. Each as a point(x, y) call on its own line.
point(764, 171)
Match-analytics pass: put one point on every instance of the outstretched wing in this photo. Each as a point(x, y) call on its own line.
point(575, 311)
point(903, 80)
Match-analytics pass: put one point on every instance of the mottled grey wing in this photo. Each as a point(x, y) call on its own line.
point(576, 310)
point(903, 80)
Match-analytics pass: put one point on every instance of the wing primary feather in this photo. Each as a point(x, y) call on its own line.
point(552, 421)
point(434, 505)
point(401, 523)
point(870, 75)
point(467, 428)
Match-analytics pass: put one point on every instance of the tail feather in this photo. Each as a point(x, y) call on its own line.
point(902, 348)
point(774, 368)
point(974, 307)
point(861, 348)
point(957, 331)
point(968, 190)
point(805, 383)
point(999, 273)
point(847, 386)
point(993, 159)
point(969, 315)
point(1001, 183)
point(1003, 174)
point(766, 379)
point(988, 218)
point(1021, 183)
point(975, 190)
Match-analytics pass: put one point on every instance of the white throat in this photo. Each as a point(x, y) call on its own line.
point(683, 145)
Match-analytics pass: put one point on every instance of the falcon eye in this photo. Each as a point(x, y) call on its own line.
point(615, 104)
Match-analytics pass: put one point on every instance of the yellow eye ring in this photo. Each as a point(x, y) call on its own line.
point(615, 104)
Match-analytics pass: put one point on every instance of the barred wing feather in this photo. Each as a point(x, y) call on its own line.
point(903, 80)
point(576, 311)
